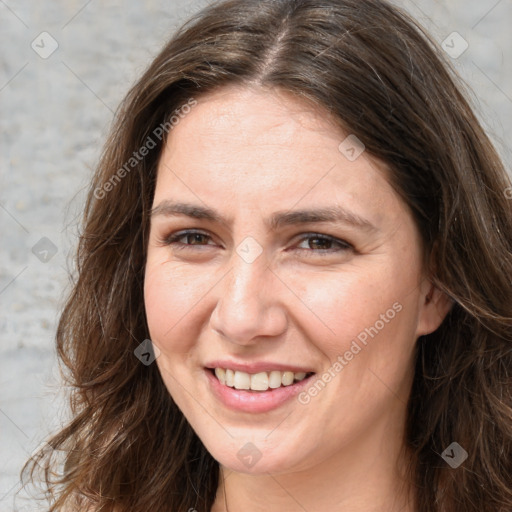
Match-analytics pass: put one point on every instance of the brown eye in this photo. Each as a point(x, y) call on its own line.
point(318, 243)
point(194, 238)
point(187, 238)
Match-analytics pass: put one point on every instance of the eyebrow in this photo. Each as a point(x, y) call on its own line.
point(277, 220)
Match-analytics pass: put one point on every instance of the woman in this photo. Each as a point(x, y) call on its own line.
point(299, 209)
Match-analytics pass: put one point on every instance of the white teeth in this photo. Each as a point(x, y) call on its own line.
point(274, 380)
point(261, 381)
point(287, 378)
point(242, 380)
point(220, 373)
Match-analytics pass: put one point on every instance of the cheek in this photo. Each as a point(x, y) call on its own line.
point(170, 298)
point(365, 304)
point(334, 306)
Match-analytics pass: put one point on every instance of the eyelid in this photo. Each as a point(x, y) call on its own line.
point(343, 245)
point(174, 236)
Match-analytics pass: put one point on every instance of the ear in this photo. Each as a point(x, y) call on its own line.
point(434, 307)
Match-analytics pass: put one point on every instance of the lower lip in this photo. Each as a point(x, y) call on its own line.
point(254, 401)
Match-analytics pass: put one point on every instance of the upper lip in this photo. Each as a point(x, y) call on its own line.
point(257, 367)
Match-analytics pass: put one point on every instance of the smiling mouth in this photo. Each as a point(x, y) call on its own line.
point(261, 381)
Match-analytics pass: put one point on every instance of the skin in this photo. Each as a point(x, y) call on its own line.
point(248, 153)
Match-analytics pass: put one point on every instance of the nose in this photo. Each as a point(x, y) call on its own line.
point(248, 305)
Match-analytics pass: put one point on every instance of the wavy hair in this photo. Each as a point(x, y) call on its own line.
point(127, 446)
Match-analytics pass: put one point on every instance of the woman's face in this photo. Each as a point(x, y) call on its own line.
point(276, 252)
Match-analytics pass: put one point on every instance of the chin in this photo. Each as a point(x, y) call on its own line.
point(255, 457)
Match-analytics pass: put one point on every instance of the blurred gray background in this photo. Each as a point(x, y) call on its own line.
point(64, 68)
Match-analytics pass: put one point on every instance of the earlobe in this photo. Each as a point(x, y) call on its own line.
point(436, 305)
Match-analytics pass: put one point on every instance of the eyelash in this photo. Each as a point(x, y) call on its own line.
point(173, 238)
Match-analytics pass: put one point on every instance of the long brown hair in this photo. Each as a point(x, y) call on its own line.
point(128, 447)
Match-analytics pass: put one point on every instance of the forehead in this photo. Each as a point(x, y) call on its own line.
point(246, 112)
point(252, 147)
